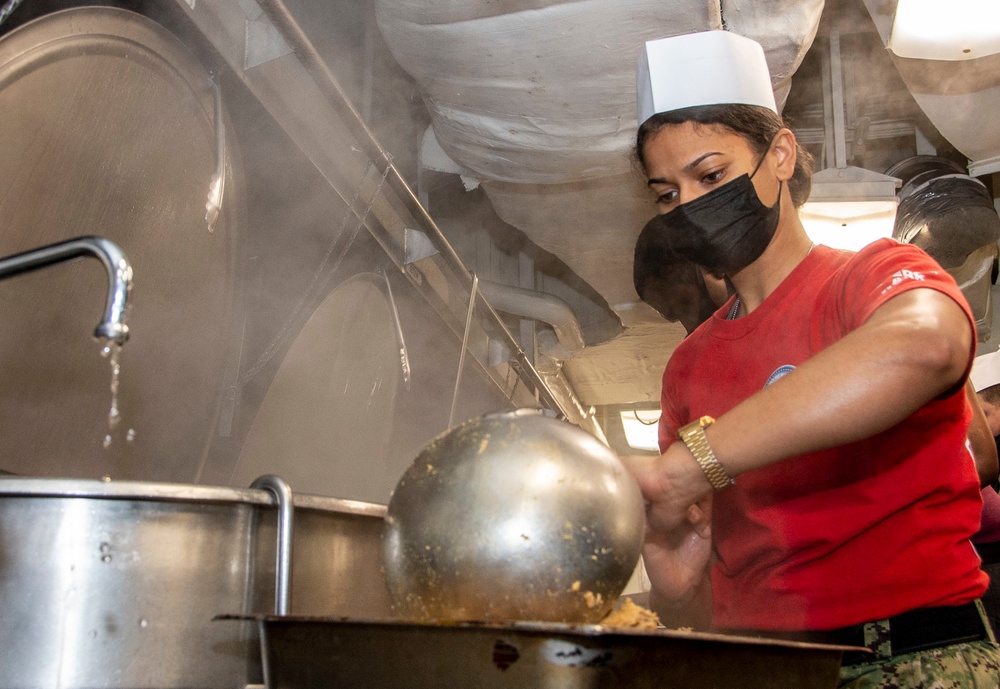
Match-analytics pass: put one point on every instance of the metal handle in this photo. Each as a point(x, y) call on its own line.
point(282, 493)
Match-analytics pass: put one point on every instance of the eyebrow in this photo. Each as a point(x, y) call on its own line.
point(690, 166)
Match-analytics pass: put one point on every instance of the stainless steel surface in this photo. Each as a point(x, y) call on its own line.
point(315, 653)
point(512, 516)
point(112, 325)
point(110, 130)
point(116, 584)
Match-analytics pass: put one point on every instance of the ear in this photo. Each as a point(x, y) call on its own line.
point(783, 149)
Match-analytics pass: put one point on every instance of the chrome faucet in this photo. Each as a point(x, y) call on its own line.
point(113, 326)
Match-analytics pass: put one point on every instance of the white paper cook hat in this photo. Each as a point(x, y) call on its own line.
point(704, 68)
point(985, 371)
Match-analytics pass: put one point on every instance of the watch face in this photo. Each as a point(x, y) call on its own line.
point(691, 427)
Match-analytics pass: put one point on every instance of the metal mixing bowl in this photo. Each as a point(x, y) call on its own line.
point(512, 516)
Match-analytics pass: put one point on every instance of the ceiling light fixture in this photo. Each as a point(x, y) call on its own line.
point(952, 30)
point(641, 428)
point(849, 207)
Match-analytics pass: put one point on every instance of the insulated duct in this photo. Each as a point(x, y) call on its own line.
point(951, 216)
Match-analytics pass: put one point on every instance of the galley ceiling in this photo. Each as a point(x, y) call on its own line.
point(535, 103)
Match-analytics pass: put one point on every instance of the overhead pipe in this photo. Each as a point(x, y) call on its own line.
point(539, 306)
point(550, 309)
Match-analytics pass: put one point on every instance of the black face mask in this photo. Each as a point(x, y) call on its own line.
point(724, 230)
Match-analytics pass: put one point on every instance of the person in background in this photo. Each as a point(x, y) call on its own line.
point(986, 380)
point(822, 487)
point(674, 286)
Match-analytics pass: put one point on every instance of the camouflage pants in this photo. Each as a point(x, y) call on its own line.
point(962, 666)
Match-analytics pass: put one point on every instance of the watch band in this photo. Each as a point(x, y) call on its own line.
point(693, 436)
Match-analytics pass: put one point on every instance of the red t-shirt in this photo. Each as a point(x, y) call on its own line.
point(851, 534)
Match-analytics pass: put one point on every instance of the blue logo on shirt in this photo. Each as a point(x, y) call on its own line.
point(779, 372)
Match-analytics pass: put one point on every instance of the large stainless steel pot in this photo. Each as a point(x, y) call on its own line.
point(116, 584)
point(114, 127)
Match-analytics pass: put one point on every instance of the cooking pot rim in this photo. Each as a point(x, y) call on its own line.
point(30, 486)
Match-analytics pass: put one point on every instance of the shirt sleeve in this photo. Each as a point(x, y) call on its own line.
point(667, 428)
point(886, 269)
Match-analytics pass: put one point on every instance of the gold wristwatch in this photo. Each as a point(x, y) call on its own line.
point(693, 435)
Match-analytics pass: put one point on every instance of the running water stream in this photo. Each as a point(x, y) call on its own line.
point(112, 351)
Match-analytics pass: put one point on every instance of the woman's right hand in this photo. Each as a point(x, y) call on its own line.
point(678, 563)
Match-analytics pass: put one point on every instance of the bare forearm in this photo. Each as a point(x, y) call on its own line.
point(984, 449)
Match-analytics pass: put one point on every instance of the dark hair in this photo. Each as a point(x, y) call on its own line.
point(991, 394)
point(755, 124)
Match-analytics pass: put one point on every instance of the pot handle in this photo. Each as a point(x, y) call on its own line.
point(282, 493)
